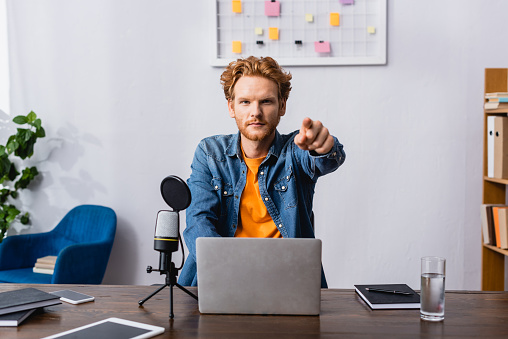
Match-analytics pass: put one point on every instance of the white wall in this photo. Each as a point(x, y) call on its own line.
point(125, 92)
point(4, 61)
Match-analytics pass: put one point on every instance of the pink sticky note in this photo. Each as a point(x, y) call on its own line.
point(347, 2)
point(322, 46)
point(272, 8)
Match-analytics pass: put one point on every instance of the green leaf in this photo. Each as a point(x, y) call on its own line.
point(37, 123)
point(31, 117)
point(12, 146)
point(20, 120)
point(25, 218)
point(4, 194)
point(12, 213)
point(28, 174)
point(13, 172)
point(40, 133)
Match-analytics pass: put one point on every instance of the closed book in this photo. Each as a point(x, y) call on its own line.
point(496, 95)
point(495, 105)
point(15, 319)
point(39, 265)
point(503, 228)
point(26, 299)
point(43, 270)
point(49, 259)
point(498, 99)
point(378, 300)
point(495, 218)
point(489, 234)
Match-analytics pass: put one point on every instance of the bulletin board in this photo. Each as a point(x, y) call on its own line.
point(301, 32)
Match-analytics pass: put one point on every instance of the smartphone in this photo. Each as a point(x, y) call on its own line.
point(73, 297)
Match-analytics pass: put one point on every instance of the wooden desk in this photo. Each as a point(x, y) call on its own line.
point(343, 314)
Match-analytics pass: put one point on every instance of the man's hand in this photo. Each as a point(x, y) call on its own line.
point(314, 136)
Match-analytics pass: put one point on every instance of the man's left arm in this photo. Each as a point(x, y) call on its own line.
point(326, 152)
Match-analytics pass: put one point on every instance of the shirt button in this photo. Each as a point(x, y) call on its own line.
point(283, 187)
point(280, 225)
point(287, 177)
point(262, 173)
point(225, 192)
point(266, 199)
point(216, 187)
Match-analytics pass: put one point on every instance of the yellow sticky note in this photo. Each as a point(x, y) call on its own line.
point(237, 6)
point(371, 30)
point(334, 19)
point(273, 33)
point(237, 47)
point(258, 31)
point(309, 17)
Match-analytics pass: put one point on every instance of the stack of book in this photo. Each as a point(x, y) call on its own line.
point(495, 225)
point(17, 305)
point(496, 100)
point(45, 265)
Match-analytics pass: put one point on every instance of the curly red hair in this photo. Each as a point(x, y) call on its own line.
point(265, 67)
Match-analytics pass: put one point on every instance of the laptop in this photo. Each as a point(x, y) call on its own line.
point(259, 276)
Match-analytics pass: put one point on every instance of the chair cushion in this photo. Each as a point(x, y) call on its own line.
point(24, 276)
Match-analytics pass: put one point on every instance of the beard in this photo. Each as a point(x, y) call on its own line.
point(259, 135)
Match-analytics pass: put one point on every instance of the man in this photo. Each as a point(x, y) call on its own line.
point(257, 183)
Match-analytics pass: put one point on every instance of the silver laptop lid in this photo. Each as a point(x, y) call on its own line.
point(259, 275)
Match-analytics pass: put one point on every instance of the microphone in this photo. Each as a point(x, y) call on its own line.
point(176, 194)
point(166, 231)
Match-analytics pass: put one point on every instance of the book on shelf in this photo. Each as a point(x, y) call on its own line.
point(501, 99)
point(389, 296)
point(15, 318)
point(503, 228)
point(497, 224)
point(495, 105)
point(488, 230)
point(496, 95)
point(26, 299)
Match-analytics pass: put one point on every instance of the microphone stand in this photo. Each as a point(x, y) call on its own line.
point(171, 273)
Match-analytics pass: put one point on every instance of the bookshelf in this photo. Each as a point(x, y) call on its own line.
point(494, 190)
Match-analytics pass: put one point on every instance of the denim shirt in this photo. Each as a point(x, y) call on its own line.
point(286, 178)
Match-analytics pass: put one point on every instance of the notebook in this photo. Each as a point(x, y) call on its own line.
point(259, 276)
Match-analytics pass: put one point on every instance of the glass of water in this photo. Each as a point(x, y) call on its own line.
point(432, 292)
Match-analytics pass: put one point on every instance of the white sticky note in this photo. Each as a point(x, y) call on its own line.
point(309, 17)
point(371, 30)
point(258, 31)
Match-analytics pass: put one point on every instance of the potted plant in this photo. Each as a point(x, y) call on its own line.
point(19, 145)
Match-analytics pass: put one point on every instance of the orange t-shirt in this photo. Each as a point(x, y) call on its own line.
point(255, 221)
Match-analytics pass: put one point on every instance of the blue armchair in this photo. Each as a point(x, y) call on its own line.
point(82, 240)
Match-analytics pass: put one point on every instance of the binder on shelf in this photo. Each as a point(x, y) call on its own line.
point(501, 147)
point(490, 146)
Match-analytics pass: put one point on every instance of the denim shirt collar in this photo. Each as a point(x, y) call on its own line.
point(234, 148)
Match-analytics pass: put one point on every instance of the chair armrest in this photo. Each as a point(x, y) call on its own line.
point(21, 251)
point(83, 263)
